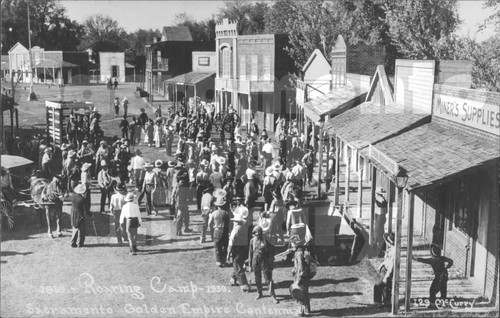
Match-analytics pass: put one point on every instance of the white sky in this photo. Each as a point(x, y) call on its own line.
point(146, 14)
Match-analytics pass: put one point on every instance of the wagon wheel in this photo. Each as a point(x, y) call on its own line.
point(6, 210)
point(230, 122)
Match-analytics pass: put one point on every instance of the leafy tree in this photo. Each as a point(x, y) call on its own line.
point(102, 34)
point(279, 13)
point(420, 28)
point(250, 16)
point(200, 31)
point(50, 27)
point(140, 38)
point(494, 18)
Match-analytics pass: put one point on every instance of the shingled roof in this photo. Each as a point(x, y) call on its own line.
point(369, 123)
point(190, 78)
point(176, 33)
point(433, 152)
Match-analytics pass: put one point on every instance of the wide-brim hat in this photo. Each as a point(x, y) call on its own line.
point(219, 201)
point(269, 171)
point(86, 166)
point(241, 210)
point(380, 190)
point(220, 193)
point(148, 165)
point(221, 160)
point(129, 197)
point(264, 224)
point(435, 250)
point(80, 189)
point(85, 141)
point(204, 163)
point(158, 163)
point(120, 188)
point(290, 203)
point(252, 163)
point(389, 238)
point(171, 164)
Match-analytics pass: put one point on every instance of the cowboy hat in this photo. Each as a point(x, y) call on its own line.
point(220, 201)
point(380, 190)
point(252, 163)
point(241, 210)
point(171, 164)
point(291, 202)
point(221, 160)
point(148, 165)
point(129, 197)
point(204, 163)
point(158, 163)
point(220, 193)
point(238, 218)
point(435, 250)
point(85, 141)
point(389, 238)
point(269, 171)
point(264, 224)
point(80, 189)
point(86, 166)
point(120, 188)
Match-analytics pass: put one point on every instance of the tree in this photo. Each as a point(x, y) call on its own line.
point(203, 31)
point(250, 16)
point(51, 29)
point(102, 34)
point(140, 38)
point(313, 27)
point(419, 29)
point(494, 18)
point(278, 14)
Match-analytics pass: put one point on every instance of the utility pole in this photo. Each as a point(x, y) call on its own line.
point(31, 96)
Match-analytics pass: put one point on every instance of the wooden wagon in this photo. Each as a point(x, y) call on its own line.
point(58, 112)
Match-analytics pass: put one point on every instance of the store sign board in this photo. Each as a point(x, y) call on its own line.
point(386, 162)
point(479, 115)
point(203, 61)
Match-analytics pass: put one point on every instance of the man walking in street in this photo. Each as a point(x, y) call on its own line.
point(104, 182)
point(238, 251)
point(219, 219)
point(79, 209)
point(130, 220)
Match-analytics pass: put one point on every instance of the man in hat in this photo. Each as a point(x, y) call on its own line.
point(79, 209)
point(125, 105)
point(130, 220)
point(440, 281)
point(86, 180)
point(170, 182)
point(71, 129)
point(148, 187)
point(116, 203)
point(105, 183)
point(47, 163)
point(202, 181)
point(181, 199)
point(124, 127)
point(380, 219)
point(86, 154)
point(206, 208)
point(116, 105)
point(238, 251)
point(219, 220)
point(295, 153)
point(137, 164)
point(268, 184)
point(309, 160)
point(267, 152)
point(261, 261)
point(216, 177)
point(101, 154)
point(382, 291)
point(169, 138)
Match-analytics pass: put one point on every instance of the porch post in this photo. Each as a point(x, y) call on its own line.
point(360, 193)
point(320, 161)
point(372, 204)
point(409, 249)
point(390, 205)
point(347, 177)
point(337, 169)
point(397, 253)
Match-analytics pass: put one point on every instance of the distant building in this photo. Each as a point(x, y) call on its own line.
point(59, 67)
point(112, 65)
point(169, 57)
point(252, 75)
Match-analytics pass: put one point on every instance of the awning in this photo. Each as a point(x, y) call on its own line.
point(128, 65)
point(189, 78)
point(333, 102)
point(369, 123)
point(55, 64)
point(434, 152)
point(9, 162)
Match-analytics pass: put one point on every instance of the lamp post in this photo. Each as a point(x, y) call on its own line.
point(31, 96)
point(400, 180)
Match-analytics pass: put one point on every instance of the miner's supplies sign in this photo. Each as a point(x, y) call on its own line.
point(484, 116)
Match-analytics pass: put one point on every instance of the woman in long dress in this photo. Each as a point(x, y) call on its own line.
point(158, 134)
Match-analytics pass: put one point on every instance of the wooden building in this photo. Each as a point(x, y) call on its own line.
point(253, 75)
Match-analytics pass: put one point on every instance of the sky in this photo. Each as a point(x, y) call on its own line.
point(135, 14)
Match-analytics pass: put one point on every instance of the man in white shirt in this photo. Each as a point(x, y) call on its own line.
point(267, 153)
point(137, 164)
point(115, 207)
point(104, 181)
point(130, 220)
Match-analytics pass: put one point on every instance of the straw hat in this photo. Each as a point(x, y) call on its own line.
point(389, 238)
point(86, 166)
point(219, 201)
point(129, 197)
point(241, 210)
point(221, 160)
point(171, 164)
point(220, 193)
point(264, 224)
point(269, 170)
point(158, 163)
point(80, 189)
point(148, 165)
point(290, 203)
point(121, 188)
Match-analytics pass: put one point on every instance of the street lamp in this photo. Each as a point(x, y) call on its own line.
point(401, 178)
point(31, 96)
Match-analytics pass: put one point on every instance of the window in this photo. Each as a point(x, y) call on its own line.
point(115, 71)
point(266, 68)
point(226, 62)
point(463, 205)
point(158, 58)
point(203, 61)
point(243, 67)
point(254, 70)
